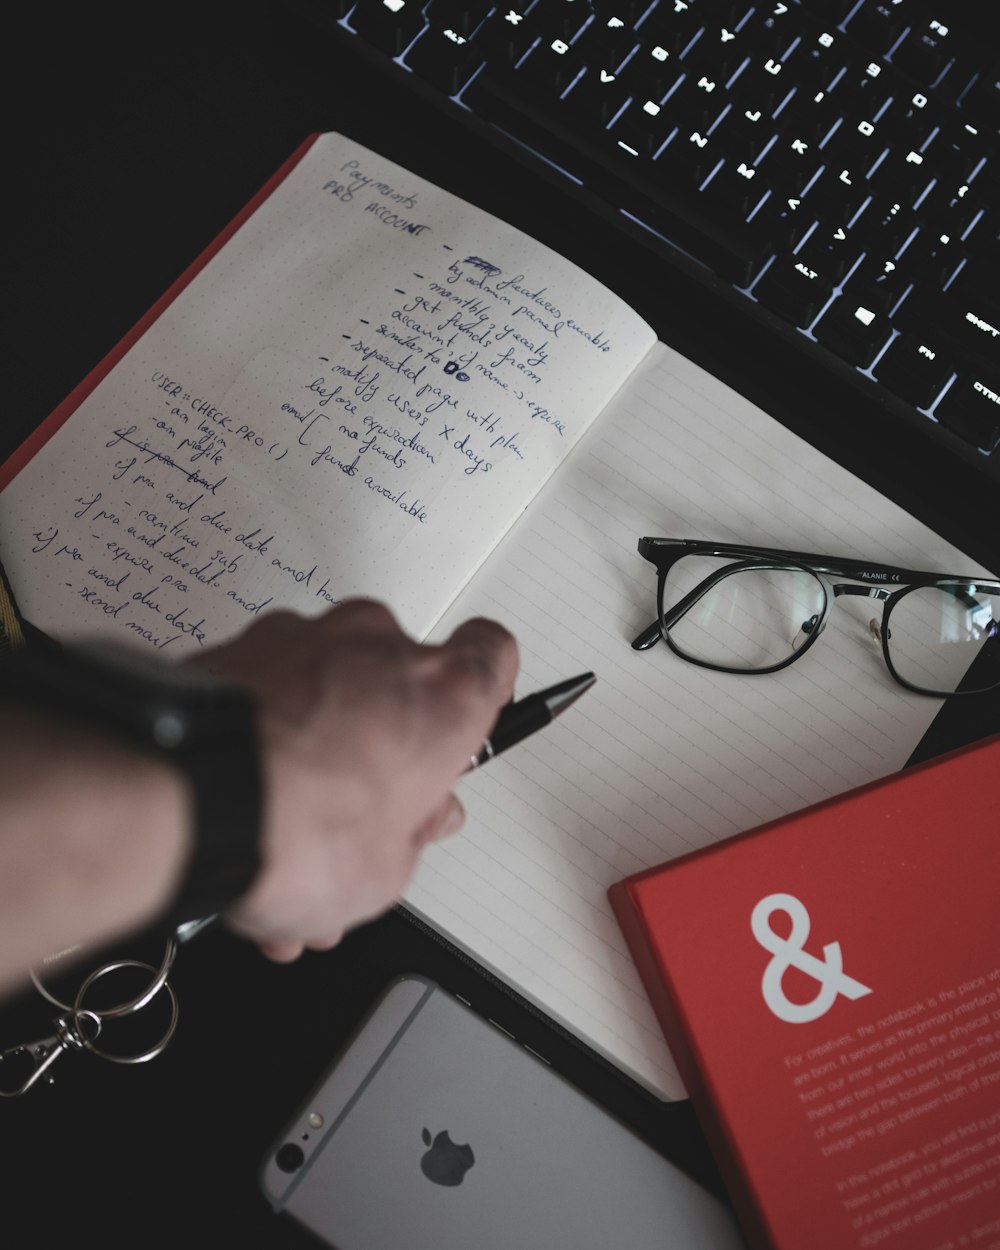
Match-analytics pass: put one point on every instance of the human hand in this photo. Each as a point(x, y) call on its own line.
point(363, 732)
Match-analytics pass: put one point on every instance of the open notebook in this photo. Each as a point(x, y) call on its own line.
point(367, 386)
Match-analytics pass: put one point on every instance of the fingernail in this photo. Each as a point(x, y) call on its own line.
point(454, 818)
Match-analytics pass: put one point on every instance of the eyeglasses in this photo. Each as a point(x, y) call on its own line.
point(756, 610)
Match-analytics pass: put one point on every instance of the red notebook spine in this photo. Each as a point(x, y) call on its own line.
point(656, 981)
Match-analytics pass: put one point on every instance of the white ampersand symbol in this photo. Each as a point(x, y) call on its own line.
point(788, 952)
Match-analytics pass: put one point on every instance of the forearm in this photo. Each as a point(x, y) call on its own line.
point(360, 732)
point(94, 842)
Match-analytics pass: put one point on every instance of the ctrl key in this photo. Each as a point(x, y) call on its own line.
point(971, 409)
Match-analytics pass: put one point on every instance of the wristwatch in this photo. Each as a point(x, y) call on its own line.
point(204, 726)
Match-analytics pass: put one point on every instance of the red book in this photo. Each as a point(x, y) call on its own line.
point(829, 985)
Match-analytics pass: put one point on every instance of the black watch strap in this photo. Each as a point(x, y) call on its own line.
point(228, 800)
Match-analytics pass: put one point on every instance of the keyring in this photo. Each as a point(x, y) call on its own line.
point(78, 1009)
point(122, 1009)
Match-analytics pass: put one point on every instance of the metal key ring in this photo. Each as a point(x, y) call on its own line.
point(78, 1009)
point(122, 1009)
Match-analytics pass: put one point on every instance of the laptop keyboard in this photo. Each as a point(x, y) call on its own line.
point(835, 161)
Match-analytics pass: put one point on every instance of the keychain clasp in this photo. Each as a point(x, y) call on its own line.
point(43, 1053)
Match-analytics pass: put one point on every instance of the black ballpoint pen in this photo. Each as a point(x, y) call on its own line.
point(518, 720)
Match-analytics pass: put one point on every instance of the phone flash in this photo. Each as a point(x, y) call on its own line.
point(315, 1119)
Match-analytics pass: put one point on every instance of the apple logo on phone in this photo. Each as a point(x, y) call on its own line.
point(445, 1163)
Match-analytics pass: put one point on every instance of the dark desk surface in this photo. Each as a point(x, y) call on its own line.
point(135, 141)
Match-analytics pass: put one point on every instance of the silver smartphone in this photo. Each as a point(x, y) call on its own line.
point(435, 1128)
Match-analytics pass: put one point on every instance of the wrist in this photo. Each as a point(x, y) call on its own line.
point(96, 836)
point(189, 724)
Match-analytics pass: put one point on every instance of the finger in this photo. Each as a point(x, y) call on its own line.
point(327, 943)
point(491, 651)
point(446, 819)
point(280, 952)
point(368, 616)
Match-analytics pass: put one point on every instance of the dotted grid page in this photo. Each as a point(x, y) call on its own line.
point(659, 757)
point(358, 394)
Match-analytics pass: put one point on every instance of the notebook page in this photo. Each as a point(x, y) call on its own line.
point(357, 395)
point(659, 757)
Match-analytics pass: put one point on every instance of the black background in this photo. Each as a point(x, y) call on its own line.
point(137, 134)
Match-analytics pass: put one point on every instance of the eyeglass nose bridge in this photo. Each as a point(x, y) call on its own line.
point(867, 592)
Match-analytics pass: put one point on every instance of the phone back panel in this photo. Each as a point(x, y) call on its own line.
point(436, 1129)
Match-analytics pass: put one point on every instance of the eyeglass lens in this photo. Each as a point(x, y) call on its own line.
point(753, 619)
point(746, 619)
point(935, 633)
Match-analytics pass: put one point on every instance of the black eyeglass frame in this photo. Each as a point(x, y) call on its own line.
point(664, 553)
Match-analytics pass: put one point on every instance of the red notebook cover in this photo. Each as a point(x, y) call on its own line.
point(829, 985)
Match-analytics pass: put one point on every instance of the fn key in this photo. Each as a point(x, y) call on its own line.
point(971, 408)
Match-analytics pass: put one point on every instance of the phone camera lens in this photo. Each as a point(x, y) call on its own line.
point(290, 1157)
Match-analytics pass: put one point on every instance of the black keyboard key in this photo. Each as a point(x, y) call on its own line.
point(628, 10)
point(821, 57)
point(832, 12)
point(866, 87)
point(925, 51)
point(461, 17)
point(879, 280)
point(597, 97)
point(559, 19)
point(979, 280)
point(444, 59)
point(744, 135)
point(958, 152)
point(764, 84)
point(857, 146)
point(506, 35)
point(855, 326)
point(811, 116)
point(964, 214)
point(639, 133)
point(971, 408)
point(792, 163)
point(914, 370)
point(905, 176)
point(831, 250)
point(982, 101)
point(653, 72)
point(689, 157)
point(607, 39)
point(971, 323)
point(696, 104)
point(879, 23)
point(886, 224)
point(911, 119)
point(736, 187)
point(788, 219)
point(549, 69)
point(671, 29)
point(933, 257)
point(793, 290)
point(391, 27)
point(719, 51)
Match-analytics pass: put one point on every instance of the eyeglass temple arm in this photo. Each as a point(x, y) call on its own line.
point(833, 566)
point(648, 638)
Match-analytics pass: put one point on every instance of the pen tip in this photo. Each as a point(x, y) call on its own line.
point(567, 692)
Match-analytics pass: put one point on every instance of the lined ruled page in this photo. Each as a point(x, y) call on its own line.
point(659, 757)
